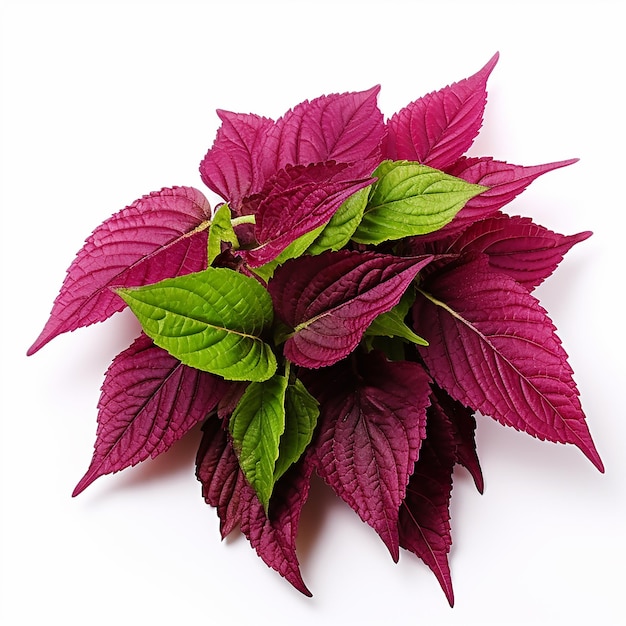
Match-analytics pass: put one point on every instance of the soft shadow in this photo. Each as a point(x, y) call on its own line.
point(322, 499)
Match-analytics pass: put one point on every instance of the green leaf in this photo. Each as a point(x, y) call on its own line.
point(256, 426)
point(411, 199)
point(391, 323)
point(336, 234)
point(301, 413)
point(295, 249)
point(211, 320)
point(221, 230)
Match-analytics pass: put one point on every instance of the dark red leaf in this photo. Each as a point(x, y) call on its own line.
point(224, 486)
point(492, 347)
point(149, 400)
point(232, 167)
point(346, 128)
point(424, 520)
point(371, 425)
point(463, 425)
point(162, 235)
point(527, 252)
point(296, 201)
point(217, 468)
point(274, 538)
point(439, 127)
point(329, 300)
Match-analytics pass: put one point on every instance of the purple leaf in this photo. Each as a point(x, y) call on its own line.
point(347, 128)
point(424, 520)
point(527, 252)
point(296, 201)
point(162, 235)
point(439, 127)
point(149, 400)
point(224, 486)
point(217, 469)
point(232, 167)
point(463, 427)
point(492, 347)
point(372, 422)
point(274, 538)
point(505, 181)
point(329, 300)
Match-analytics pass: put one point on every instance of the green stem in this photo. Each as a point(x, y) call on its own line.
point(243, 219)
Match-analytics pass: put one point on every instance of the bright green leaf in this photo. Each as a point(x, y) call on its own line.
point(211, 320)
point(221, 230)
point(301, 413)
point(342, 224)
point(411, 199)
point(256, 426)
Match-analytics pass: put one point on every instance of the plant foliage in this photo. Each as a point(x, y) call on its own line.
point(355, 299)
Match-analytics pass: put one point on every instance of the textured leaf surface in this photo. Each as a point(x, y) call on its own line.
point(372, 423)
point(411, 199)
point(298, 200)
point(329, 300)
point(439, 127)
point(256, 426)
point(224, 486)
point(527, 252)
point(159, 236)
point(232, 167)
point(211, 320)
point(424, 520)
point(346, 128)
point(493, 348)
point(149, 401)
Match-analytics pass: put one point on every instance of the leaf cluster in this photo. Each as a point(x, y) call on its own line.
point(357, 297)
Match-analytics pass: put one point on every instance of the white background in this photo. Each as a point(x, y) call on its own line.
point(103, 102)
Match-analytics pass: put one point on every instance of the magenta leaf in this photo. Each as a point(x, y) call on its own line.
point(372, 422)
point(232, 167)
point(329, 300)
point(438, 128)
point(516, 246)
point(224, 486)
point(274, 538)
point(492, 347)
point(463, 423)
point(217, 469)
point(505, 181)
point(149, 400)
point(424, 519)
point(346, 128)
point(162, 235)
point(298, 200)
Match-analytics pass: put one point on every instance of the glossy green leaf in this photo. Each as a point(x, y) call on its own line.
point(336, 234)
point(256, 426)
point(411, 199)
point(211, 320)
point(301, 413)
point(221, 230)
